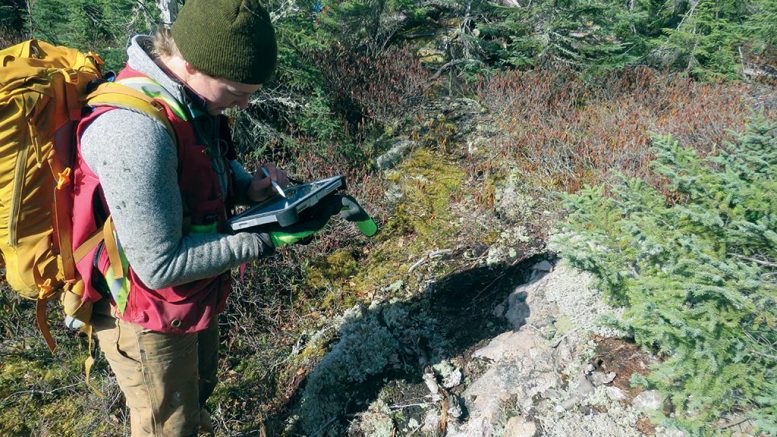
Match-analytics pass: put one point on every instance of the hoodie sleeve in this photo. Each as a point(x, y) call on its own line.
point(136, 162)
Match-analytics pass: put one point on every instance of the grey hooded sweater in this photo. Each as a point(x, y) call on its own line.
point(136, 162)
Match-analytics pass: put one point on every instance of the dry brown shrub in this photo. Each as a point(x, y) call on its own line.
point(569, 132)
point(373, 88)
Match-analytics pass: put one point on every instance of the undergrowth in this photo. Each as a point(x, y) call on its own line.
point(44, 393)
point(567, 132)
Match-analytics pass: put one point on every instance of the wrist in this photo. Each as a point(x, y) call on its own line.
point(266, 245)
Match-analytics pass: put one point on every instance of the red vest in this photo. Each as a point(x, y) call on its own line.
point(183, 308)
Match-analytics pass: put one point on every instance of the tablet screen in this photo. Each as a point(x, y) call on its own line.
point(277, 202)
point(293, 194)
point(282, 210)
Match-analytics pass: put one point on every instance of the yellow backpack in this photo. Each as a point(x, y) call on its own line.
point(43, 92)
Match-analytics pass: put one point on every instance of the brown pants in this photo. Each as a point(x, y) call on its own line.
point(165, 378)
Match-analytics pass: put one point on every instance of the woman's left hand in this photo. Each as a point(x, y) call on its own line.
point(261, 188)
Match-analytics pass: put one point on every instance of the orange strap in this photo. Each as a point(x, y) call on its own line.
point(61, 220)
point(43, 324)
point(45, 294)
point(104, 233)
point(112, 249)
point(43, 285)
point(77, 255)
point(72, 95)
point(88, 245)
point(90, 362)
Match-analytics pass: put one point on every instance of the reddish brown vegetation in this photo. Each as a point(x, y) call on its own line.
point(569, 132)
point(377, 88)
point(367, 93)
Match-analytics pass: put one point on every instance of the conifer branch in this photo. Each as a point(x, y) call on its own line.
point(755, 260)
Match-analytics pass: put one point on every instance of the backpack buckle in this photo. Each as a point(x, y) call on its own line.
point(63, 178)
point(96, 59)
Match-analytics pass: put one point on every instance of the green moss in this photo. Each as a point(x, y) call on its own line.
point(337, 299)
point(48, 394)
point(330, 271)
point(383, 266)
point(488, 196)
point(329, 278)
point(313, 353)
point(429, 184)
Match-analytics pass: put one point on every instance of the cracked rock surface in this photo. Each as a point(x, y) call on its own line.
point(536, 377)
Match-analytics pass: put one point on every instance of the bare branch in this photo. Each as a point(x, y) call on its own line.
point(449, 65)
point(168, 10)
point(755, 260)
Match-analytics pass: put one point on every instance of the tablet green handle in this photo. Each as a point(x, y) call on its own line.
point(353, 212)
point(301, 232)
point(368, 227)
point(281, 239)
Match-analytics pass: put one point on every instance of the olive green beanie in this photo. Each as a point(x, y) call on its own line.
point(230, 39)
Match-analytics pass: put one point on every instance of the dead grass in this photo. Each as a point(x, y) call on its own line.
point(568, 132)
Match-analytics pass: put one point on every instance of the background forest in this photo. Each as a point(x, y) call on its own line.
point(635, 137)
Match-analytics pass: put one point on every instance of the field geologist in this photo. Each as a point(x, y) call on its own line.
point(168, 195)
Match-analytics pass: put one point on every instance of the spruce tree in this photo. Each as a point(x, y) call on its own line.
point(102, 26)
point(13, 22)
point(695, 265)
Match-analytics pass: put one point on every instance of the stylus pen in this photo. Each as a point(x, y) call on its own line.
point(275, 185)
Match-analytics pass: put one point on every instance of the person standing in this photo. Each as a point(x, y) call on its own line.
point(168, 195)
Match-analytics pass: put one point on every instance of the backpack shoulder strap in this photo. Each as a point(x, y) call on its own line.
point(155, 90)
point(119, 96)
point(124, 97)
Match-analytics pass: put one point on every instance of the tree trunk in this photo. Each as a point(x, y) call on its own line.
point(29, 19)
point(168, 10)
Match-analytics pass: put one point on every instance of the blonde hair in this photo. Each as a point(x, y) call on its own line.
point(164, 44)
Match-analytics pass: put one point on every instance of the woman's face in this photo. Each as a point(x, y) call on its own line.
point(220, 94)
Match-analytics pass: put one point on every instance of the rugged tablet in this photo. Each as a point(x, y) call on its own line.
point(286, 212)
